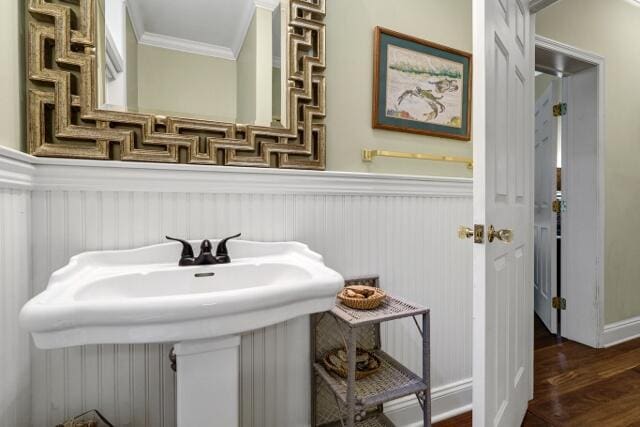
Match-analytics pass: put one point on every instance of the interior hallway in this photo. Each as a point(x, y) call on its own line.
point(576, 385)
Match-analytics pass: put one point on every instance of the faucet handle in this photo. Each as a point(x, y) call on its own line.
point(221, 251)
point(187, 250)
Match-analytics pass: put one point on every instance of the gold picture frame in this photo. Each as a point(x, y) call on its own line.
point(63, 119)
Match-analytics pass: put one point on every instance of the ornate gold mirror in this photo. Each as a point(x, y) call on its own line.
point(218, 82)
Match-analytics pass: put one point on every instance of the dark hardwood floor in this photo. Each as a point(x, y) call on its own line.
point(575, 385)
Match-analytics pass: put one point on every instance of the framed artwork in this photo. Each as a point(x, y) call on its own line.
point(421, 87)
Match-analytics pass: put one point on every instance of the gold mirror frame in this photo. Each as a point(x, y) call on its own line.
point(64, 121)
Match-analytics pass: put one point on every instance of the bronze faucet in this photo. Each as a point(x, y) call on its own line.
point(206, 257)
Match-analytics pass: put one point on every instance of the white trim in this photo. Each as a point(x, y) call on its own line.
point(71, 174)
point(565, 49)
point(189, 46)
point(599, 62)
point(136, 18)
point(114, 62)
point(270, 5)
point(619, 332)
point(15, 169)
point(243, 28)
point(446, 401)
point(536, 6)
point(199, 48)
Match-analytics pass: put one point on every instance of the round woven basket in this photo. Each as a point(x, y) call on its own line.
point(360, 374)
point(368, 303)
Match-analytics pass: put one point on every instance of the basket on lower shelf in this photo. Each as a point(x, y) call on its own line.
point(92, 418)
point(367, 362)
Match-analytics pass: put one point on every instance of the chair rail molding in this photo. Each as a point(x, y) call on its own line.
point(98, 175)
point(16, 169)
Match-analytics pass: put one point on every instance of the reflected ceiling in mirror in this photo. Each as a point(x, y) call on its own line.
point(210, 59)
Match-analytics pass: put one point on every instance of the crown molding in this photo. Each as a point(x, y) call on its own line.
point(45, 173)
point(188, 46)
point(113, 60)
point(199, 48)
point(243, 28)
point(136, 18)
point(270, 5)
point(536, 6)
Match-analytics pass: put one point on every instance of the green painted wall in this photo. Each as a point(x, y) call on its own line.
point(170, 81)
point(349, 73)
point(612, 29)
point(12, 115)
point(132, 66)
point(246, 70)
point(276, 85)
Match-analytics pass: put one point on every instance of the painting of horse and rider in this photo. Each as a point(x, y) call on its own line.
point(421, 87)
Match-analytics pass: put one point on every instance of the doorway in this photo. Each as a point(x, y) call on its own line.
point(568, 195)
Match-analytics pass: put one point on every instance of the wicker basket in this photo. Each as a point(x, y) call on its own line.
point(368, 303)
point(360, 374)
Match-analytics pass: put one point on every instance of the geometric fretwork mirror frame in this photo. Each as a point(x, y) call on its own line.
point(64, 121)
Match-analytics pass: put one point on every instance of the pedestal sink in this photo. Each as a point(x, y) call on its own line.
point(142, 296)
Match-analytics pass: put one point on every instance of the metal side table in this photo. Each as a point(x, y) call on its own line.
point(341, 402)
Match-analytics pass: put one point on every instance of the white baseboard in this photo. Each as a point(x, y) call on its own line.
point(619, 332)
point(446, 401)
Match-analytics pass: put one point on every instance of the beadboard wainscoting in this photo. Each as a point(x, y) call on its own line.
point(402, 228)
point(15, 290)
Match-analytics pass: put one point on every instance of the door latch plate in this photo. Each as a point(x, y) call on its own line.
point(478, 233)
point(560, 109)
point(559, 303)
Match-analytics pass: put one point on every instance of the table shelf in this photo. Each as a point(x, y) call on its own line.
point(343, 402)
point(376, 420)
point(391, 382)
point(391, 308)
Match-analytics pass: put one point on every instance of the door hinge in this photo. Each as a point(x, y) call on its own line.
point(560, 109)
point(559, 206)
point(559, 303)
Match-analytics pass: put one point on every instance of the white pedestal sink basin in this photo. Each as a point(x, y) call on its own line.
point(142, 296)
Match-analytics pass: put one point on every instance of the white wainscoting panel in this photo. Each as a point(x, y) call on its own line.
point(15, 290)
point(408, 240)
point(402, 228)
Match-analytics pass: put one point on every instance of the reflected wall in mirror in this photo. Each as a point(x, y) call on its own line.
point(211, 59)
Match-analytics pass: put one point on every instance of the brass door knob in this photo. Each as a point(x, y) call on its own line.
point(465, 232)
point(504, 235)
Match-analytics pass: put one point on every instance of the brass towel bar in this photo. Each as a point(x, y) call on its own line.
point(368, 155)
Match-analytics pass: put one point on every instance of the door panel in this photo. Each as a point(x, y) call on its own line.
point(545, 222)
point(503, 175)
point(580, 220)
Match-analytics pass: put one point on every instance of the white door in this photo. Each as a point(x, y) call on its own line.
point(545, 221)
point(502, 197)
point(580, 220)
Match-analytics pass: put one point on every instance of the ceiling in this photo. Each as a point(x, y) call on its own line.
point(207, 27)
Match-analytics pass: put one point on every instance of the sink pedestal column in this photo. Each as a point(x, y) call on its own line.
point(208, 382)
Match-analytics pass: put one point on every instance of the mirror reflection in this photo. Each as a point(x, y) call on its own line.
point(212, 59)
